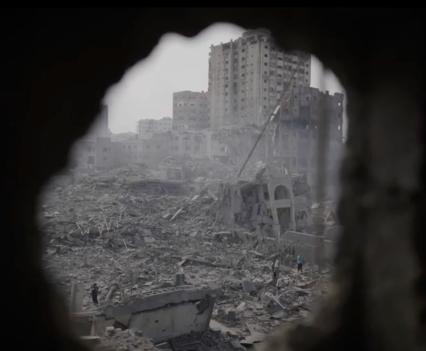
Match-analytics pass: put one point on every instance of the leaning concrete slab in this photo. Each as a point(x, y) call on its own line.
point(159, 298)
point(167, 313)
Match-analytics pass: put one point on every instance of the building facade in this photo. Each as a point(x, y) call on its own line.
point(247, 76)
point(190, 110)
point(148, 127)
point(297, 137)
point(150, 151)
point(97, 153)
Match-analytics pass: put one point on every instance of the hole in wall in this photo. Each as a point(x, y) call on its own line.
point(162, 109)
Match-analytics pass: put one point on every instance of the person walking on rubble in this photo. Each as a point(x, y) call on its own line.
point(95, 294)
point(300, 263)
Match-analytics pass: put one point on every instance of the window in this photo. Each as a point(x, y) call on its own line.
point(266, 46)
point(266, 63)
point(266, 55)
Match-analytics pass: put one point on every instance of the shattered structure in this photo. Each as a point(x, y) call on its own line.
point(272, 204)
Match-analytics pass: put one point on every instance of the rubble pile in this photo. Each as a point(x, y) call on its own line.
point(204, 167)
point(101, 230)
point(105, 210)
point(130, 339)
point(243, 271)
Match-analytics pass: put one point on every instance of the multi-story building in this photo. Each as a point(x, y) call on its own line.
point(298, 137)
point(150, 151)
point(190, 110)
point(148, 127)
point(98, 153)
point(247, 76)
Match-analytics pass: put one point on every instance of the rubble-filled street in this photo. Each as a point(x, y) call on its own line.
point(133, 241)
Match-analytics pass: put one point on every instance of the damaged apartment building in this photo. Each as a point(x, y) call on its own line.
point(296, 134)
point(190, 110)
point(247, 77)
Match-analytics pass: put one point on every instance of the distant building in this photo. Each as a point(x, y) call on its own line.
point(297, 140)
point(190, 110)
point(97, 153)
point(148, 127)
point(247, 76)
point(150, 151)
point(123, 136)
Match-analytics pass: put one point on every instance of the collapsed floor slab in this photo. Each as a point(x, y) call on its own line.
point(163, 314)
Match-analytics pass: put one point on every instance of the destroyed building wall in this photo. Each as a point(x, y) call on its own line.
point(150, 151)
point(97, 153)
point(190, 110)
point(189, 143)
point(298, 131)
point(273, 203)
point(247, 76)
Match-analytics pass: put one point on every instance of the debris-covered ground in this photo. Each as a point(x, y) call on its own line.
point(99, 230)
point(129, 340)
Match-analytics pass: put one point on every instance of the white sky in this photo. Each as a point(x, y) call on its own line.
point(177, 63)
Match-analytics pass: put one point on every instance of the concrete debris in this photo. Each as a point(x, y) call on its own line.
point(128, 340)
point(168, 268)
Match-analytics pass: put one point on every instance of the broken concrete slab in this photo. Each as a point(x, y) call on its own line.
point(167, 313)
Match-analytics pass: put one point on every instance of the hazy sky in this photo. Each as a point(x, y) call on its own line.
point(176, 64)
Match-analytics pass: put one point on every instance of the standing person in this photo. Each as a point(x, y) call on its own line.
point(300, 263)
point(95, 294)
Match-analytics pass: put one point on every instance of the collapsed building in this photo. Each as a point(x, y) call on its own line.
point(274, 202)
